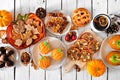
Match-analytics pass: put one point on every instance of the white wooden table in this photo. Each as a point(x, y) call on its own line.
point(26, 6)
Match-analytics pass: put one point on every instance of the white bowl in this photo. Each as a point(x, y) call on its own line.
point(67, 42)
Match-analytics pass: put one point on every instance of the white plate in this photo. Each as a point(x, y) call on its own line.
point(66, 30)
point(16, 56)
point(55, 43)
point(105, 49)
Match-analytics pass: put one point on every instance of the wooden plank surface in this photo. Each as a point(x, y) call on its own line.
point(113, 8)
point(26, 6)
point(68, 6)
point(83, 74)
point(36, 74)
point(53, 5)
point(7, 74)
point(22, 72)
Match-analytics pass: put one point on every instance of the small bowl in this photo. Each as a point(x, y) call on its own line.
point(21, 60)
point(71, 42)
point(98, 27)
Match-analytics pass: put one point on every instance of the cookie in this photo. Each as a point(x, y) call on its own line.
point(81, 17)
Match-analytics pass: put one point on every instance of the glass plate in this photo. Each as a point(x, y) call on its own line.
point(55, 43)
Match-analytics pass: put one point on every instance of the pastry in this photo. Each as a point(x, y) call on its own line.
point(87, 36)
point(114, 42)
point(81, 17)
point(44, 62)
point(44, 47)
point(57, 22)
point(113, 58)
point(73, 53)
point(81, 44)
point(57, 54)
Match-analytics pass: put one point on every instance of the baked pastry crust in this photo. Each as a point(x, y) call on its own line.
point(81, 17)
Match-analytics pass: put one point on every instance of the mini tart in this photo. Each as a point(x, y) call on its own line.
point(44, 47)
point(57, 54)
point(81, 44)
point(44, 62)
point(93, 46)
point(73, 53)
point(81, 17)
point(87, 36)
point(85, 56)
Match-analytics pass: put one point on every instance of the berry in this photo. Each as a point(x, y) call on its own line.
point(74, 37)
point(67, 38)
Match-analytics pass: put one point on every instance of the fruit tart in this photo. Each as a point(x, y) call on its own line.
point(25, 31)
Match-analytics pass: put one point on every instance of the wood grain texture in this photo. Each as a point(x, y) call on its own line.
point(83, 74)
point(22, 72)
point(53, 5)
point(36, 74)
point(98, 8)
point(26, 6)
point(7, 74)
point(113, 8)
point(68, 6)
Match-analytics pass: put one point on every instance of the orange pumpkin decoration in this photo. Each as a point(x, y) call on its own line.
point(57, 54)
point(114, 42)
point(44, 47)
point(96, 67)
point(5, 18)
point(44, 62)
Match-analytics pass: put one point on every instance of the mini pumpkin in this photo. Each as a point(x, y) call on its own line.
point(44, 62)
point(5, 18)
point(44, 47)
point(96, 67)
point(57, 54)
